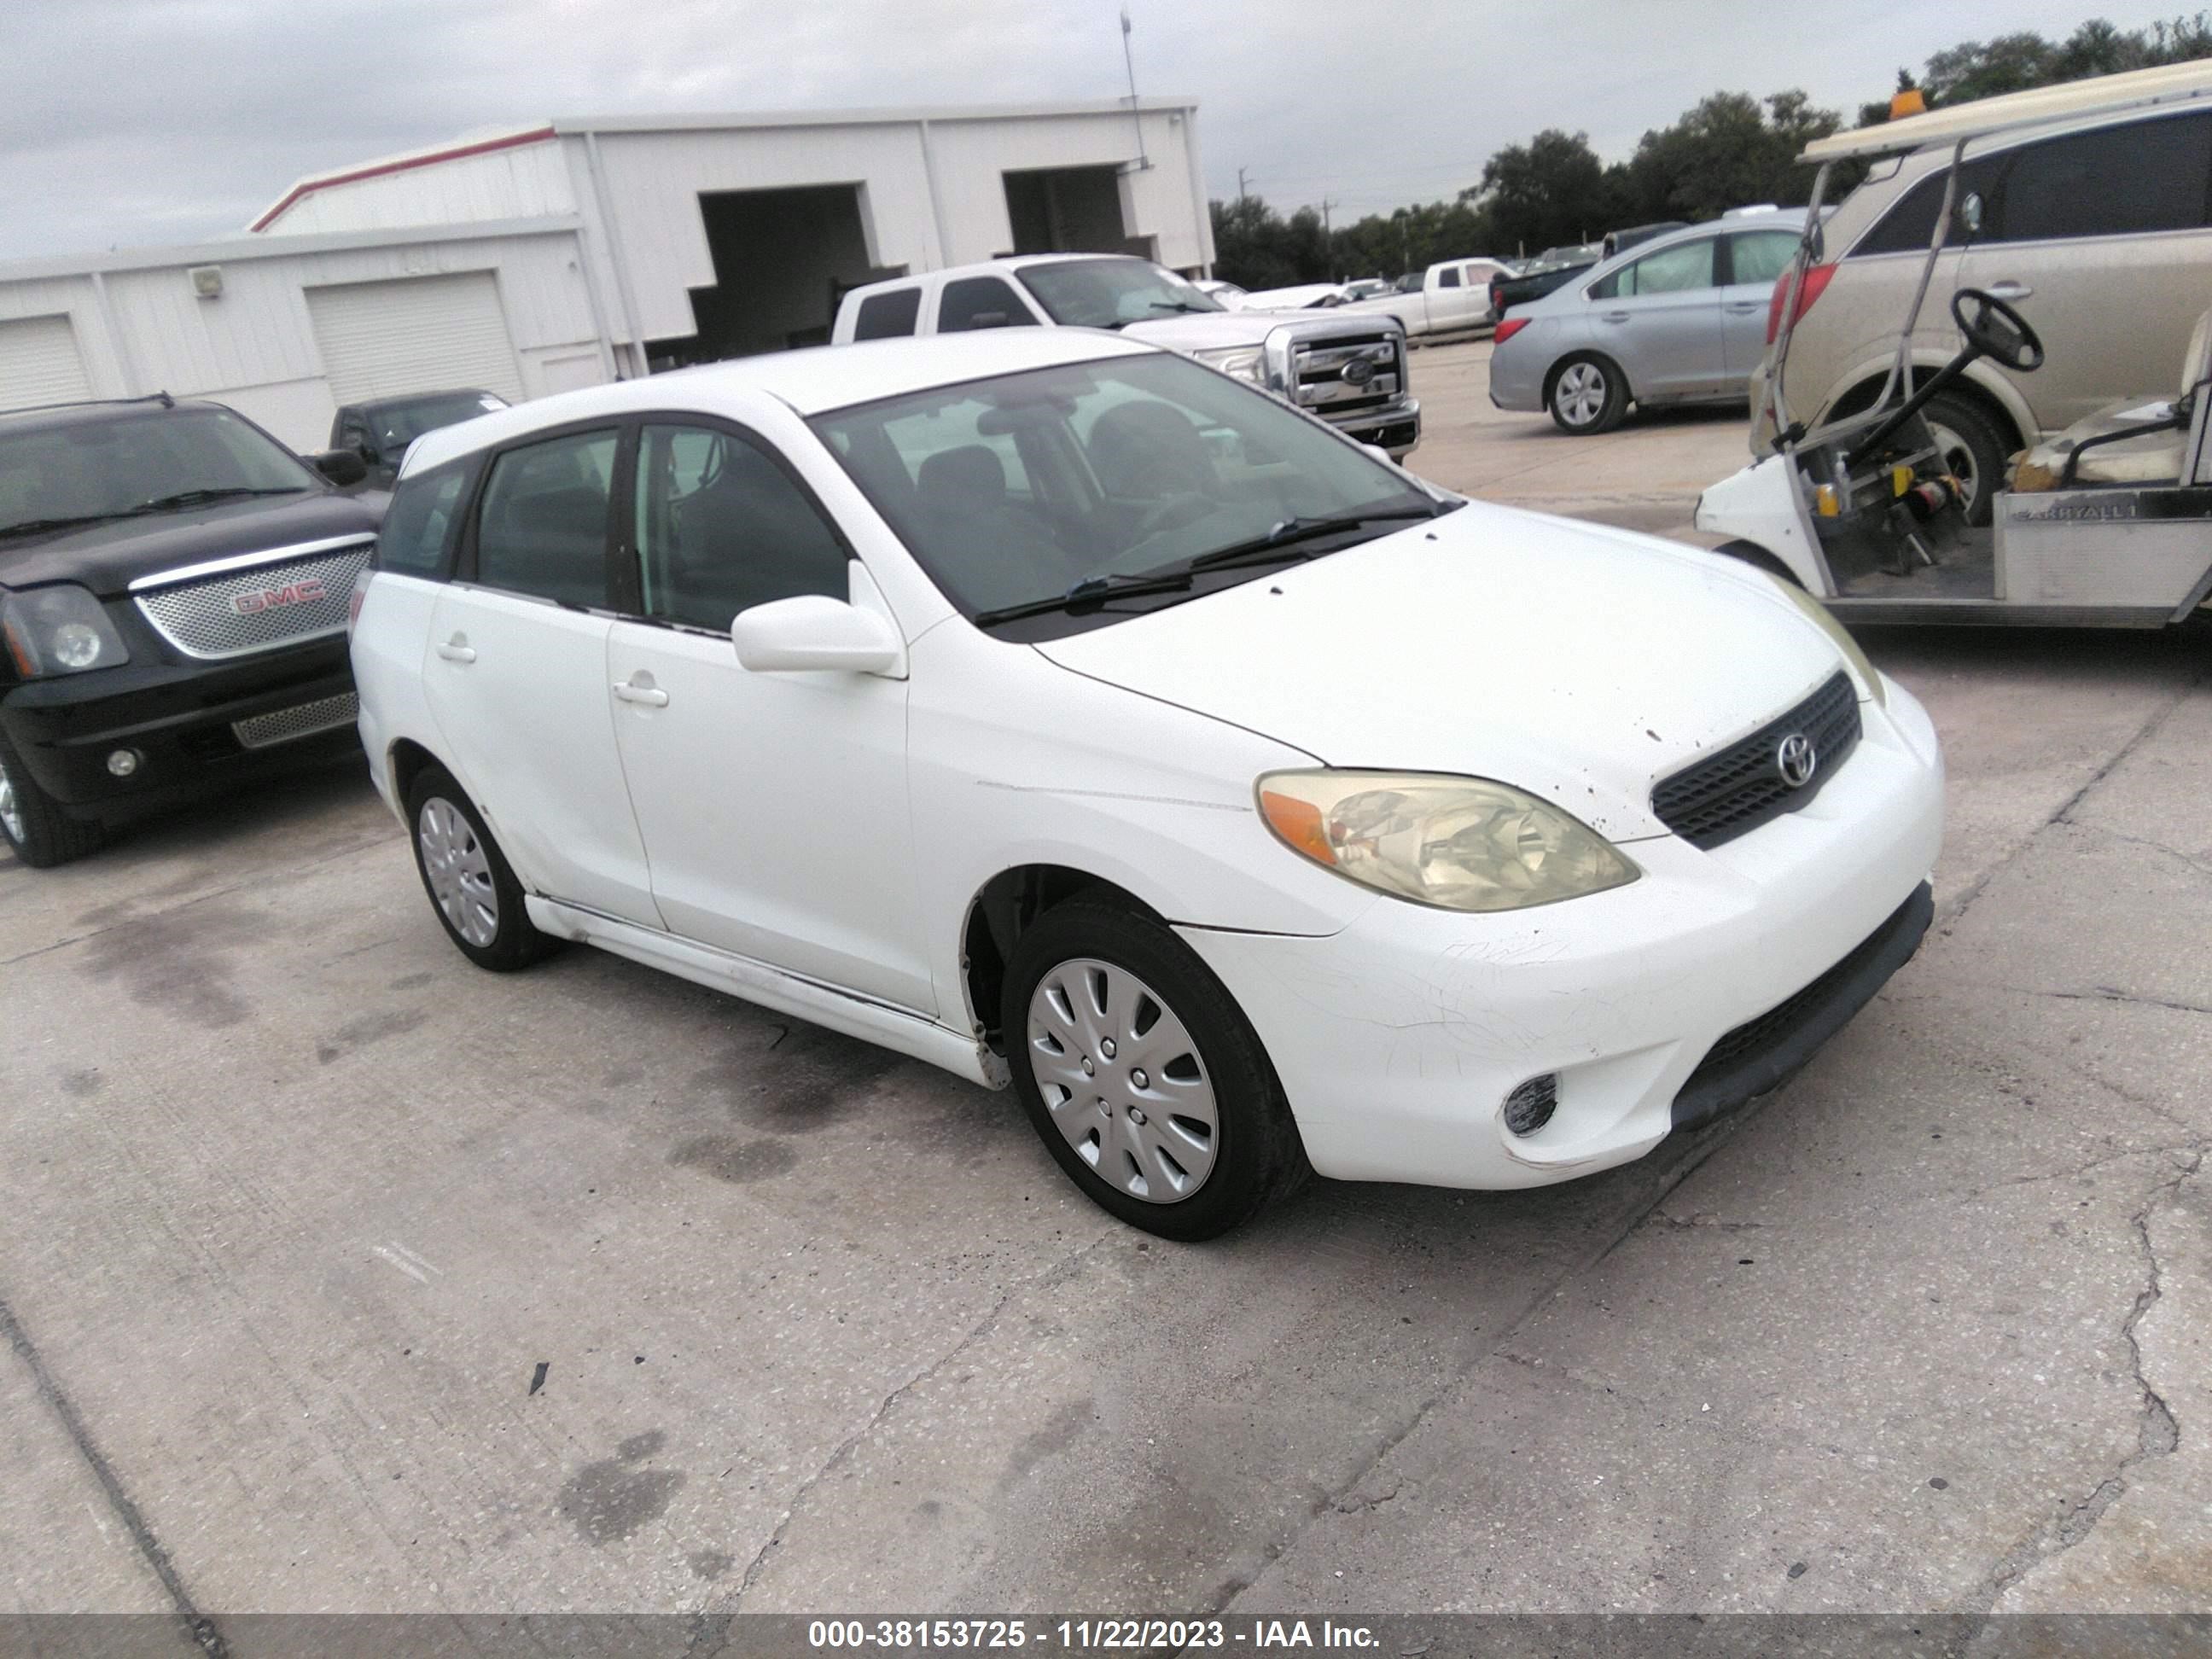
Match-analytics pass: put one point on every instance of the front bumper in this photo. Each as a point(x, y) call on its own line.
point(1395, 428)
point(1399, 1039)
point(183, 721)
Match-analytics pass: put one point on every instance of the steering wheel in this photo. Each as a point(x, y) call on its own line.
point(1996, 331)
point(1185, 507)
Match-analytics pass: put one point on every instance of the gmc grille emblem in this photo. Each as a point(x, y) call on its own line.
point(274, 598)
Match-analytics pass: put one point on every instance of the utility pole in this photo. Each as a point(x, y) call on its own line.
point(1240, 187)
point(1129, 62)
point(1328, 237)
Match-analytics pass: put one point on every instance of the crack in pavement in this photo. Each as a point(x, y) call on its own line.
point(2113, 993)
point(2157, 1433)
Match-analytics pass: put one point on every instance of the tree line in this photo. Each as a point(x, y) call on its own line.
point(1730, 150)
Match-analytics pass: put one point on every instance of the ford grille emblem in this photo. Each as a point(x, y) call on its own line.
point(1797, 760)
point(1359, 372)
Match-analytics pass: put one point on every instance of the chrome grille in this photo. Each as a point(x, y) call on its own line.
point(255, 606)
point(1741, 787)
point(1340, 375)
point(302, 720)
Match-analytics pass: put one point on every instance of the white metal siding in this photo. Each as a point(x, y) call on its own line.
point(383, 339)
point(39, 364)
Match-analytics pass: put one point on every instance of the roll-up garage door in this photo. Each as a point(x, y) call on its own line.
point(418, 334)
point(39, 364)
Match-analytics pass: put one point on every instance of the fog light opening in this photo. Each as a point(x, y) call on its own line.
point(123, 762)
point(1529, 1107)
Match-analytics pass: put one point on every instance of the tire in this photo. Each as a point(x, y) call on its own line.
point(471, 887)
point(1969, 439)
point(1593, 391)
point(1152, 1080)
point(34, 824)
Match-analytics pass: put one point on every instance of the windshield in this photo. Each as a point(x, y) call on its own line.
point(398, 425)
point(1111, 293)
point(1012, 490)
point(91, 470)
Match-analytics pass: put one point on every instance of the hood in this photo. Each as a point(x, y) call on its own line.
point(109, 558)
point(1211, 331)
point(1575, 662)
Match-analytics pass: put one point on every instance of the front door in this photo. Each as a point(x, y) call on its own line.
point(1660, 319)
point(517, 677)
point(773, 805)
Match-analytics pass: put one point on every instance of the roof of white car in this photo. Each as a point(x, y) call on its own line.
point(811, 381)
point(2170, 84)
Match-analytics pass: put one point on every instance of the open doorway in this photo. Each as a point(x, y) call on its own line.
point(782, 260)
point(1069, 211)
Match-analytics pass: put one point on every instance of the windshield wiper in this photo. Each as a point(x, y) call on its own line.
point(38, 526)
point(1092, 590)
point(1287, 537)
point(1177, 305)
point(201, 497)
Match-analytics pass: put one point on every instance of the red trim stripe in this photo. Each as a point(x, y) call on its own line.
point(452, 153)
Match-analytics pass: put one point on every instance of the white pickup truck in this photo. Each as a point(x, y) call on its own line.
point(1347, 367)
point(1453, 296)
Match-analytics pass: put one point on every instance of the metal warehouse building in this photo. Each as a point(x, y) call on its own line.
point(578, 250)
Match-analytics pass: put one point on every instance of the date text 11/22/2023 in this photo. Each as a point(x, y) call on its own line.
point(1084, 1635)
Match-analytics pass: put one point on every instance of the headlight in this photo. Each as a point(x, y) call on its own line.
point(1458, 843)
point(1239, 362)
point(59, 630)
point(1862, 666)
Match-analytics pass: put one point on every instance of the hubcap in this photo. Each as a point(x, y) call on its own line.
point(11, 812)
point(460, 872)
point(1579, 394)
point(1958, 459)
point(1123, 1081)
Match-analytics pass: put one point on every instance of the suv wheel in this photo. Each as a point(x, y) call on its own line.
point(1972, 451)
point(1141, 1075)
point(41, 833)
point(1587, 395)
point(471, 885)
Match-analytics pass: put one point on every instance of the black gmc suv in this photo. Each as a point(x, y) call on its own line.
point(174, 586)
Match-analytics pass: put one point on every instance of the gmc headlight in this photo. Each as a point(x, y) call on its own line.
point(1238, 363)
point(59, 630)
point(1457, 843)
point(1863, 667)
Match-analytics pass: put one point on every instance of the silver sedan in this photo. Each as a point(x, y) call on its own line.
point(1681, 318)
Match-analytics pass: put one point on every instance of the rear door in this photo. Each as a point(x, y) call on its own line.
point(1752, 261)
point(1660, 318)
point(516, 674)
point(2103, 239)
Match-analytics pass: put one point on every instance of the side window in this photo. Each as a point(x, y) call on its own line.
point(978, 302)
point(888, 316)
point(2119, 181)
point(1676, 269)
point(1761, 256)
point(721, 528)
point(1909, 226)
point(1449, 277)
point(418, 527)
point(542, 529)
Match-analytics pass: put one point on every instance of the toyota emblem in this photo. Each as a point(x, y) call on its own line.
point(1797, 760)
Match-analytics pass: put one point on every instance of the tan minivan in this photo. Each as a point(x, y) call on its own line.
point(2099, 231)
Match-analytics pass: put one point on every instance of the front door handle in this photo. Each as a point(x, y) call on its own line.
point(2009, 291)
point(1745, 308)
point(458, 649)
point(639, 688)
point(1615, 317)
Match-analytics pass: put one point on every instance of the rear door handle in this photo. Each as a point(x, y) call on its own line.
point(458, 649)
point(1745, 309)
point(642, 691)
point(2010, 291)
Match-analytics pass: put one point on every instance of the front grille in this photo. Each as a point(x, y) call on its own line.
point(1319, 365)
point(302, 720)
point(1741, 787)
point(259, 606)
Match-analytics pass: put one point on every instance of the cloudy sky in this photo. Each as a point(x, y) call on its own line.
point(130, 122)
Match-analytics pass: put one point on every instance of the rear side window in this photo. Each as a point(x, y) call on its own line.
point(978, 302)
point(1761, 256)
point(888, 316)
point(418, 527)
point(2119, 181)
point(1676, 269)
point(543, 528)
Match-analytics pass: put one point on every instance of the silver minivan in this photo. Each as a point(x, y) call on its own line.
point(2098, 229)
point(1679, 318)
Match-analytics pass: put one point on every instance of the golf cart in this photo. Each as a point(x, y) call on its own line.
point(2108, 524)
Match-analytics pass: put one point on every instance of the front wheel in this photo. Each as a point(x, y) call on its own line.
point(1587, 396)
point(34, 824)
point(471, 886)
point(1141, 1075)
point(1972, 451)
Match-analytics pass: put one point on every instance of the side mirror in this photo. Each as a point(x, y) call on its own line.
point(367, 451)
point(1970, 213)
point(816, 633)
point(341, 467)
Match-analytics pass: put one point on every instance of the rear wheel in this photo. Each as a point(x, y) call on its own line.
point(41, 833)
point(1141, 1075)
point(471, 887)
point(1587, 395)
point(1972, 451)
